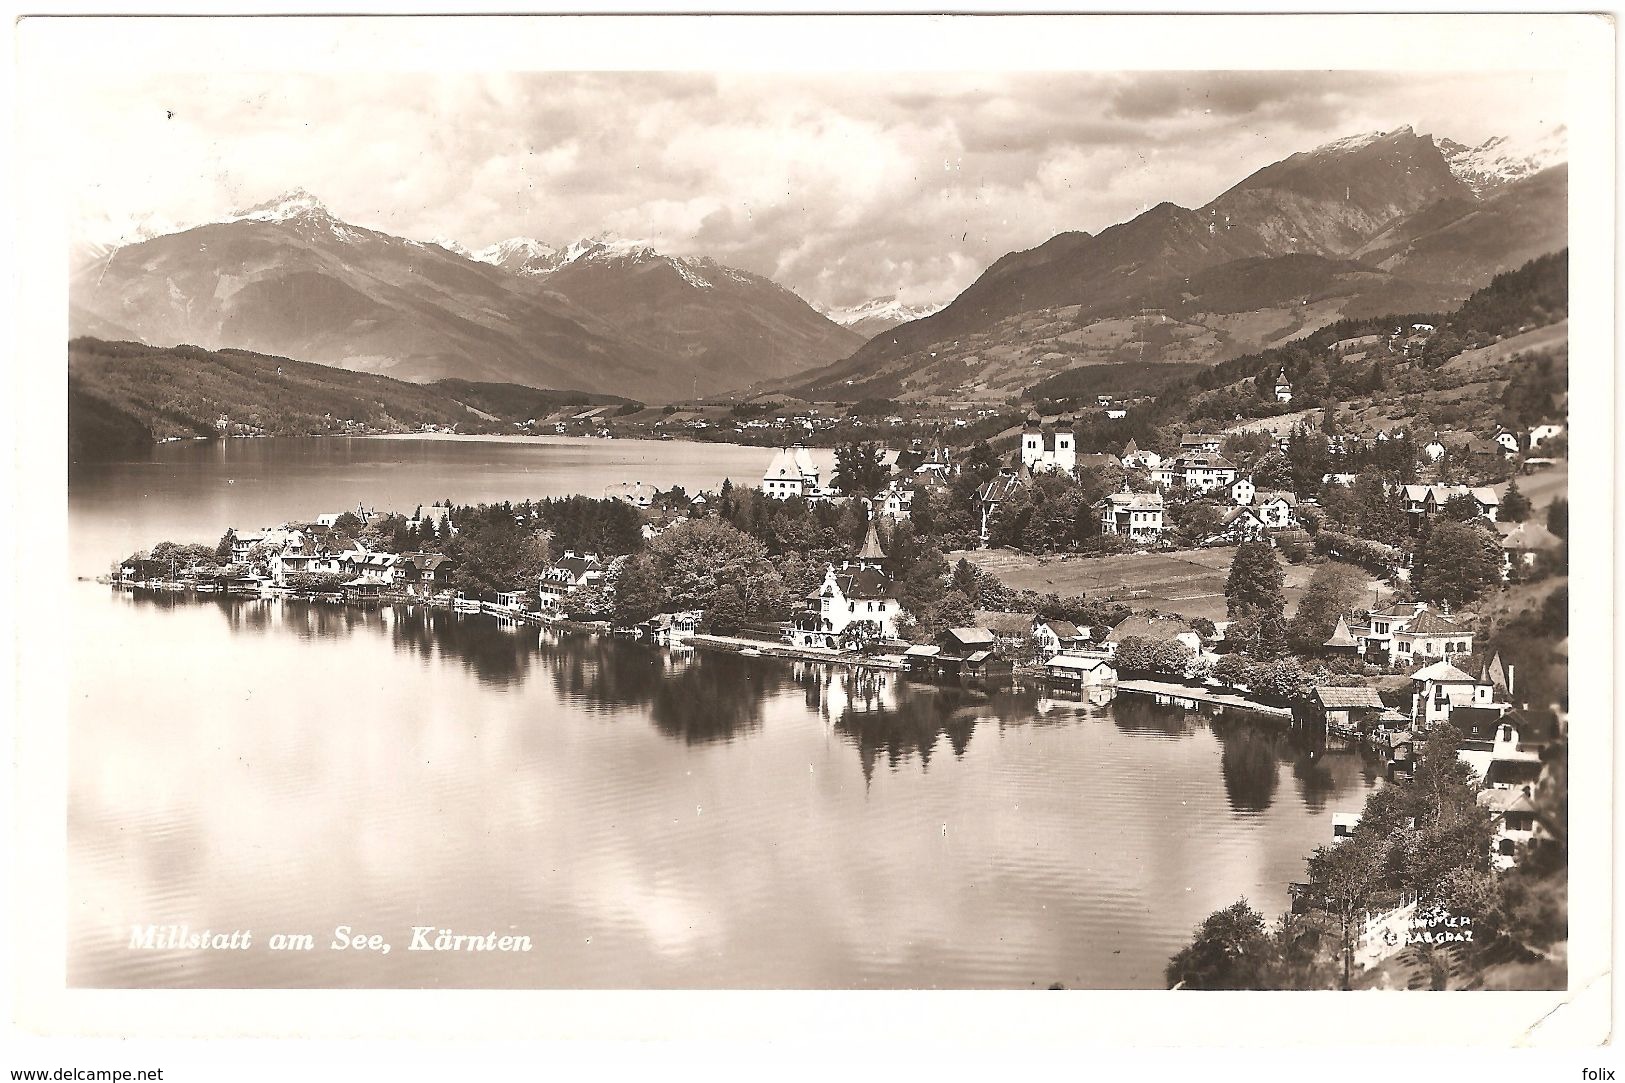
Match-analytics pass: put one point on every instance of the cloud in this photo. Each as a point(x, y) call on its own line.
point(840, 186)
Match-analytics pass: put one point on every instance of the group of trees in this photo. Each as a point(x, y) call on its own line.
point(1425, 836)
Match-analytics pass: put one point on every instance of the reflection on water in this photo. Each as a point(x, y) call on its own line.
point(649, 818)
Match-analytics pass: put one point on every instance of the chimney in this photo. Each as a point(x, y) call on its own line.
point(1512, 672)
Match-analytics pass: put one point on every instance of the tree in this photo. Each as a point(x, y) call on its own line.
point(1515, 507)
point(347, 523)
point(1335, 589)
point(1557, 517)
point(727, 612)
point(860, 635)
point(1461, 508)
point(860, 469)
point(1345, 877)
point(1456, 562)
point(699, 558)
point(640, 592)
point(222, 551)
point(1255, 582)
point(1231, 950)
point(966, 581)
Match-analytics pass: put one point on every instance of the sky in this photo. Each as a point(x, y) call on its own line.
point(843, 187)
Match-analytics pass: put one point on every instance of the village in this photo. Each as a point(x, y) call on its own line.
point(856, 568)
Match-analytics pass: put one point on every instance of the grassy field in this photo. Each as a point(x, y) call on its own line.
point(1189, 583)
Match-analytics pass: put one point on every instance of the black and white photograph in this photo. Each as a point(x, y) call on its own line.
point(967, 524)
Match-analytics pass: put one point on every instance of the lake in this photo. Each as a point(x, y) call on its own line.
point(646, 819)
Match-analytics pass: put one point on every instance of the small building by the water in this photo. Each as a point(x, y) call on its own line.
point(1348, 709)
point(1082, 670)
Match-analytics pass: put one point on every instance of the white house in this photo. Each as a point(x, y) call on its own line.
point(896, 502)
point(1054, 636)
point(1133, 457)
point(1241, 492)
point(1276, 510)
point(791, 473)
point(1441, 688)
point(1084, 670)
point(1516, 821)
point(567, 575)
point(1203, 473)
point(1542, 433)
point(1133, 515)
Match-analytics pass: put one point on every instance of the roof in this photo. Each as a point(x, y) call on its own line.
point(1505, 801)
point(1081, 664)
point(1147, 627)
point(1429, 623)
point(1441, 672)
point(1341, 636)
point(871, 546)
point(1203, 462)
point(921, 651)
point(576, 566)
point(1063, 629)
point(1133, 501)
point(999, 487)
point(978, 656)
point(1401, 737)
point(971, 637)
point(1262, 497)
point(1195, 438)
point(868, 583)
point(1008, 624)
point(1359, 696)
point(1229, 518)
point(1527, 535)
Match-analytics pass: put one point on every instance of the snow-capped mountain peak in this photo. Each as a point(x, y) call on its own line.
point(889, 309)
point(451, 246)
point(521, 255)
point(290, 205)
point(1500, 160)
point(1351, 143)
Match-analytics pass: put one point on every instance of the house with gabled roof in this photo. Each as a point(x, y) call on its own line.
point(859, 590)
point(1350, 709)
point(1200, 443)
point(1442, 688)
point(1237, 525)
point(995, 491)
point(1430, 635)
point(1054, 636)
point(567, 575)
point(1522, 544)
point(1137, 516)
point(1516, 821)
point(1278, 510)
point(792, 472)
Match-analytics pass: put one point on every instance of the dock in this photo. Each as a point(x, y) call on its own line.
point(735, 645)
point(1193, 698)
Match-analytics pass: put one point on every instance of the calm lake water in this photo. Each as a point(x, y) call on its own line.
point(647, 819)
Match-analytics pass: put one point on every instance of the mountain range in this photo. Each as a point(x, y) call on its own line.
point(1387, 221)
point(1380, 222)
point(287, 277)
